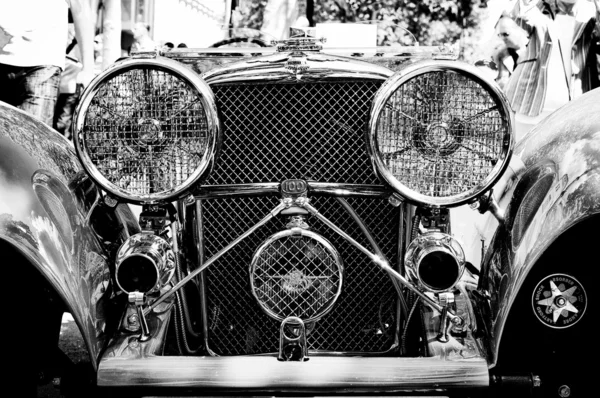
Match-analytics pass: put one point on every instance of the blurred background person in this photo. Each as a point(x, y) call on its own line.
point(33, 34)
point(69, 91)
point(560, 61)
point(141, 38)
point(506, 55)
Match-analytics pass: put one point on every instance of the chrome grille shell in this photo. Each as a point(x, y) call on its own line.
point(276, 126)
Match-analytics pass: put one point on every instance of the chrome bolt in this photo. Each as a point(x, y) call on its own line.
point(561, 301)
point(190, 199)
point(288, 202)
point(564, 391)
point(474, 205)
point(133, 320)
point(395, 200)
point(110, 201)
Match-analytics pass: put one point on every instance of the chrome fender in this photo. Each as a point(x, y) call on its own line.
point(567, 143)
point(44, 201)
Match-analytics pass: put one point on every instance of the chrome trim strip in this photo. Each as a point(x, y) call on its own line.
point(390, 87)
point(396, 51)
point(319, 373)
point(199, 225)
point(272, 188)
point(348, 190)
point(214, 258)
point(229, 191)
point(276, 68)
point(212, 119)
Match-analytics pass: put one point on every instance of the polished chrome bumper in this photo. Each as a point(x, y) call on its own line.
point(318, 375)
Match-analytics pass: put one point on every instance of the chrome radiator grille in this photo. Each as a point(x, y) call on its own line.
point(274, 132)
point(281, 131)
point(362, 320)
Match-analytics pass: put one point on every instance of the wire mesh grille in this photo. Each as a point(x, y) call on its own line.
point(363, 318)
point(146, 130)
point(296, 276)
point(313, 131)
point(441, 134)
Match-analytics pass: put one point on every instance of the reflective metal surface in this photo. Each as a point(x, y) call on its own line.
point(272, 189)
point(144, 263)
point(242, 374)
point(568, 140)
point(45, 200)
point(435, 260)
point(440, 134)
point(147, 129)
point(278, 68)
point(296, 273)
point(393, 58)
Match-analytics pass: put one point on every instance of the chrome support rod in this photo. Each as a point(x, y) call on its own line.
point(381, 262)
point(284, 204)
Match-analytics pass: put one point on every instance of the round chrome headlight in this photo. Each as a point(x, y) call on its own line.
point(296, 273)
point(440, 133)
point(147, 129)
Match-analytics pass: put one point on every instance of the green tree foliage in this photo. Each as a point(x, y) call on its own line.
point(249, 14)
point(432, 22)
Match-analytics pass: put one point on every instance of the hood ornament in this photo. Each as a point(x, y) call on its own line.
point(300, 40)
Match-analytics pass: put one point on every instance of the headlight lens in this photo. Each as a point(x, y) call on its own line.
point(296, 274)
point(440, 134)
point(146, 129)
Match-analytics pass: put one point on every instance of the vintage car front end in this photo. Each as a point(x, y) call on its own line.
point(295, 227)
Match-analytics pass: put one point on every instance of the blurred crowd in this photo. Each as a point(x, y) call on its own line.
point(50, 50)
point(548, 54)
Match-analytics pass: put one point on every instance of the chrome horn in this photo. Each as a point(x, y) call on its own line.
point(436, 261)
point(145, 263)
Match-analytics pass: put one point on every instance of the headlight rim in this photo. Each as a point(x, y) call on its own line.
point(300, 233)
point(214, 128)
point(392, 85)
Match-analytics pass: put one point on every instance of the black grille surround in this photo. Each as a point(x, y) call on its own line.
point(313, 131)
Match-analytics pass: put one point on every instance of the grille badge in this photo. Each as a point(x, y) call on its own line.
point(297, 64)
point(294, 188)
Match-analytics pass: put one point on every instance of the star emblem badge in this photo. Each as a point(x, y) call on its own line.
point(559, 301)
